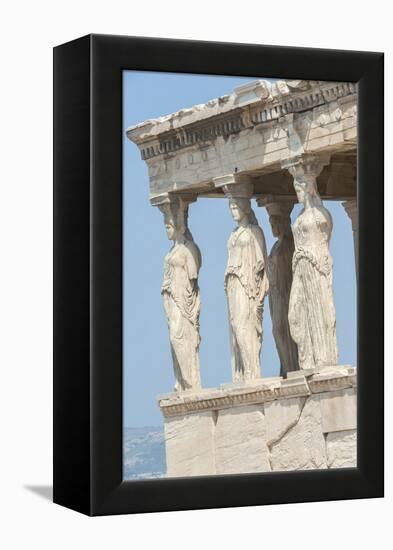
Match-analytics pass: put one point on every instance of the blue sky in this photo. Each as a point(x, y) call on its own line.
point(147, 361)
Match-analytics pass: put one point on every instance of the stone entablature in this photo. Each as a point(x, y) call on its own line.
point(228, 114)
point(250, 131)
point(297, 384)
point(307, 421)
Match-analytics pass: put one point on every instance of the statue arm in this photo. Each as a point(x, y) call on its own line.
point(261, 257)
point(260, 249)
point(192, 264)
point(324, 220)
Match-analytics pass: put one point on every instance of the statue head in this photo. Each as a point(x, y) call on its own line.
point(175, 210)
point(170, 226)
point(305, 169)
point(307, 192)
point(239, 208)
point(175, 219)
point(241, 211)
point(279, 210)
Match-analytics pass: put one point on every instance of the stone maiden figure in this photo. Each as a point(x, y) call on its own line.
point(312, 316)
point(181, 297)
point(246, 286)
point(280, 281)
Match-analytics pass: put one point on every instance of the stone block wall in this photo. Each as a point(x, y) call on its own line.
point(307, 421)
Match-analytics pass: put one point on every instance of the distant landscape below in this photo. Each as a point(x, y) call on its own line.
point(143, 452)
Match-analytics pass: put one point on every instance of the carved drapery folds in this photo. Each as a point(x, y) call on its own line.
point(312, 316)
point(180, 291)
point(279, 269)
point(245, 281)
point(297, 275)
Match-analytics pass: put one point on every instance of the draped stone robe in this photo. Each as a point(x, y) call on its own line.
point(182, 307)
point(246, 285)
point(280, 281)
point(312, 316)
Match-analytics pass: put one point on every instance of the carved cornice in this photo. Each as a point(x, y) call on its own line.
point(333, 381)
point(299, 384)
point(252, 107)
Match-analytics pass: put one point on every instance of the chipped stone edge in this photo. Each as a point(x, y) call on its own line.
point(298, 385)
point(277, 102)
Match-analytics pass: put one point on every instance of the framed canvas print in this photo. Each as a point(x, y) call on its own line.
point(218, 274)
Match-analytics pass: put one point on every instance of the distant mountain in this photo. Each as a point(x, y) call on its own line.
point(143, 452)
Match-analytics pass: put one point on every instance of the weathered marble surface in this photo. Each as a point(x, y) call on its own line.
point(251, 130)
point(269, 425)
point(280, 417)
point(338, 410)
point(341, 449)
point(312, 314)
point(189, 444)
point(241, 432)
point(279, 269)
point(303, 446)
point(245, 282)
point(180, 292)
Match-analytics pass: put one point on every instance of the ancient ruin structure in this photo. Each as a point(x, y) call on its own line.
point(180, 292)
point(278, 143)
point(245, 283)
point(279, 269)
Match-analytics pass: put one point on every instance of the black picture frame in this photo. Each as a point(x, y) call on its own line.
point(88, 275)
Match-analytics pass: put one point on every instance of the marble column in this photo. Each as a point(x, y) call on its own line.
point(312, 314)
point(245, 281)
point(351, 208)
point(180, 290)
point(279, 270)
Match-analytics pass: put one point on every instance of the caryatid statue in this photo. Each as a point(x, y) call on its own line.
point(279, 270)
point(246, 283)
point(180, 291)
point(312, 315)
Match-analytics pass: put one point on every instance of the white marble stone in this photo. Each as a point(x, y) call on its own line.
point(262, 390)
point(303, 446)
point(337, 377)
point(280, 416)
point(180, 292)
point(341, 449)
point(339, 410)
point(245, 281)
point(253, 129)
point(279, 269)
point(312, 314)
point(240, 441)
point(270, 424)
point(189, 444)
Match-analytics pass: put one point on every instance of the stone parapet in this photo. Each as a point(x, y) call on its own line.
point(306, 421)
